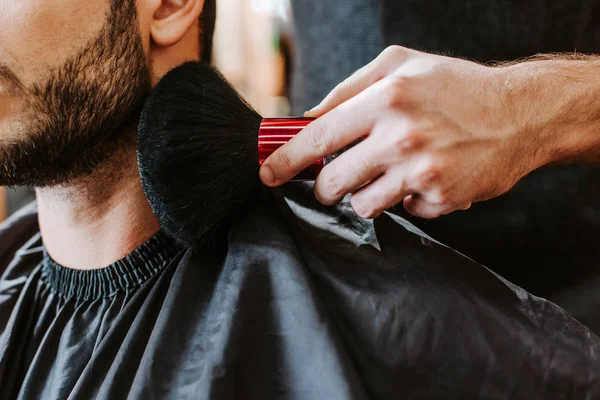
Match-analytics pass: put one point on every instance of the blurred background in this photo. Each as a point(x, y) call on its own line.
point(253, 48)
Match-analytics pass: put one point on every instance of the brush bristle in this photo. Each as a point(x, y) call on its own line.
point(197, 151)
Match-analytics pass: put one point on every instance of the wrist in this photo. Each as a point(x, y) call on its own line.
point(554, 109)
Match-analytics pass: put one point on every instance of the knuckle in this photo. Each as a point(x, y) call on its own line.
point(319, 139)
point(285, 160)
point(338, 90)
point(333, 186)
point(407, 142)
point(365, 164)
point(444, 198)
point(431, 173)
point(397, 91)
point(430, 176)
point(393, 52)
point(346, 85)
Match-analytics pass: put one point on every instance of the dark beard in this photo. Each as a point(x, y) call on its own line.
point(86, 111)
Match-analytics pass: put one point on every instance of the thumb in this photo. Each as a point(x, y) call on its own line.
point(371, 73)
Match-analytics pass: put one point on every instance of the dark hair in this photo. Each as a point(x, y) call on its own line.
point(207, 29)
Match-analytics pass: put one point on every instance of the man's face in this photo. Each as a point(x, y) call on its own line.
point(73, 77)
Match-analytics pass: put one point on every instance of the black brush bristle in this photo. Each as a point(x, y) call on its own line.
point(197, 151)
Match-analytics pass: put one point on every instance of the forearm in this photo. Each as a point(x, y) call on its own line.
point(557, 104)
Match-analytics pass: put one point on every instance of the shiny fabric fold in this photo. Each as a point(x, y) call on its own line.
point(305, 302)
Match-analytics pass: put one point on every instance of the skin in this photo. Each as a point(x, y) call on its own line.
point(93, 216)
point(440, 133)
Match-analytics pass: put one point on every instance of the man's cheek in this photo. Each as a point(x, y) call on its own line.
point(21, 42)
point(37, 36)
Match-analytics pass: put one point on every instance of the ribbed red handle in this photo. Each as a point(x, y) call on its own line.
point(275, 132)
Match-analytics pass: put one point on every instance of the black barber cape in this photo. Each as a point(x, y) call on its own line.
point(306, 302)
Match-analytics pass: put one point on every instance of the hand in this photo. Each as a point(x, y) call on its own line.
point(439, 134)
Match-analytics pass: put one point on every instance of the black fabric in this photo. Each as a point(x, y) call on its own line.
point(307, 302)
point(542, 235)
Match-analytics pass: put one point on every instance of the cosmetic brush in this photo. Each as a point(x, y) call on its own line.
point(200, 146)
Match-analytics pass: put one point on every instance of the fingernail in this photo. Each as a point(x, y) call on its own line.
point(267, 176)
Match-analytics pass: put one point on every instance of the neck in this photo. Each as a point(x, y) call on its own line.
point(99, 219)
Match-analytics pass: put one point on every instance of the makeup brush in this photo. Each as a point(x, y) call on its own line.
point(200, 146)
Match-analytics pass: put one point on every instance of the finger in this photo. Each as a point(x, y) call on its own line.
point(324, 136)
point(366, 76)
point(420, 207)
point(354, 168)
point(381, 194)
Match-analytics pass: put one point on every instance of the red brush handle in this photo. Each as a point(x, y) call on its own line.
point(275, 132)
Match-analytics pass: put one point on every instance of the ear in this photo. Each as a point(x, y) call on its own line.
point(173, 19)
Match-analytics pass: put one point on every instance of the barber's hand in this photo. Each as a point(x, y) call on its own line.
point(439, 134)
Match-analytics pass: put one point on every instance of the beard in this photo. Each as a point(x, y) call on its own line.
point(84, 112)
